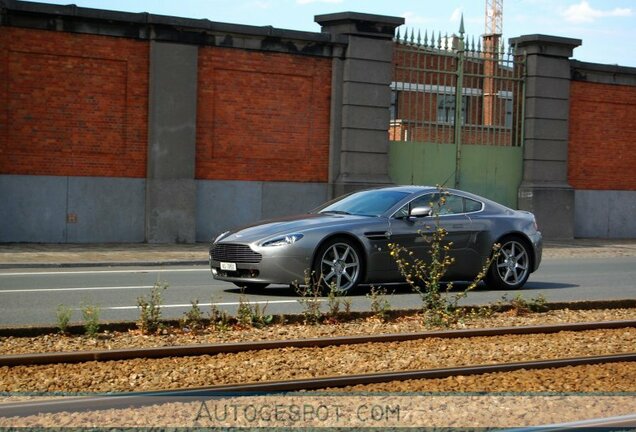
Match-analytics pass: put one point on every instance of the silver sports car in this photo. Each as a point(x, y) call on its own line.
point(344, 242)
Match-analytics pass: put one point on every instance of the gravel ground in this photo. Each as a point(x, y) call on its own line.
point(293, 363)
point(611, 377)
point(557, 395)
point(455, 410)
point(58, 343)
point(354, 410)
point(147, 374)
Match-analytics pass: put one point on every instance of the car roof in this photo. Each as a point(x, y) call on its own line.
point(409, 188)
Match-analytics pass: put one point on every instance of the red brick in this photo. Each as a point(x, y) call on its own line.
point(74, 104)
point(601, 153)
point(262, 116)
point(77, 105)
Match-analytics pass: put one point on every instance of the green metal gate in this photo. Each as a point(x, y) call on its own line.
point(457, 114)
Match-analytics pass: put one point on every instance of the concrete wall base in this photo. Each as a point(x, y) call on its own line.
point(52, 209)
point(223, 205)
point(605, 214)
point(57, 209)
point(553, 208)
point(170, 206)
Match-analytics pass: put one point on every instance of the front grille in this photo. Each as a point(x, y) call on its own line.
point(236, 253)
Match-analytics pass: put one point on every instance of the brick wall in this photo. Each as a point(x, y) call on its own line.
point(72, 104)
point(77, 105)
point(262, 116)
point(602, 135)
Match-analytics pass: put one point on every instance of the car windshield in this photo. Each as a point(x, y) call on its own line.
point(365, 203)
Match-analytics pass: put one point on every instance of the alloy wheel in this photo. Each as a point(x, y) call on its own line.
point(513, 263)
point(340, 266)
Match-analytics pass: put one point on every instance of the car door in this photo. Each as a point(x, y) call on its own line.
point(416, 234)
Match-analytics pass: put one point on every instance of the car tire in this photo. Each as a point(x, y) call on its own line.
point(511, 268)
point(251, 286)
point(339, 263)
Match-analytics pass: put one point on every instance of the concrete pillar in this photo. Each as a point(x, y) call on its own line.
point(544, 189)
point(361, 97)
point(172, 111)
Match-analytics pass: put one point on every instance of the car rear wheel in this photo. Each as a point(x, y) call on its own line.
point(338, 265)
point(511, 269)
point(251, 286)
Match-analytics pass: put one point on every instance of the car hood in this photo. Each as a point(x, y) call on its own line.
point(289, 225)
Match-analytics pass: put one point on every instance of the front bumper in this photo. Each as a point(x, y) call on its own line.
point(278, 265)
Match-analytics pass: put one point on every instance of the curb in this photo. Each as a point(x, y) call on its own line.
point(5, 266)
point(124, 326)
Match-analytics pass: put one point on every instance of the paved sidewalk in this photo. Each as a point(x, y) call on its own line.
point(16, 255)
point(76, 255)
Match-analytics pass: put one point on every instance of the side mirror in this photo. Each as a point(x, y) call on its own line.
point(418, 212)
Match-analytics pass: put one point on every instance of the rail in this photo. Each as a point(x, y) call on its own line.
point(213, 349)
point(140, 399)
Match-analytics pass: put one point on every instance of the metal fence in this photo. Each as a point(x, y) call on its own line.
point(440, 82)
point(457, 114)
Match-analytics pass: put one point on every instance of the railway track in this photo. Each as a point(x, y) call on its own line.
point(138, 400)
point(141, 399)
point(226, 348)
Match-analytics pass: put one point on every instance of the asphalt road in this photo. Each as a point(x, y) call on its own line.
point(30, 297)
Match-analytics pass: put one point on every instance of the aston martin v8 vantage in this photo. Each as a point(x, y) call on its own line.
point(345, 241)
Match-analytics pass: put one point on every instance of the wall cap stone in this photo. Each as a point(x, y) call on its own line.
point(146, 26)
point(603, 73)
point(356, 23)
point(546, 45)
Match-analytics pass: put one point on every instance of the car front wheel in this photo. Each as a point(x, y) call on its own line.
point(338, 266)
point(511, 269)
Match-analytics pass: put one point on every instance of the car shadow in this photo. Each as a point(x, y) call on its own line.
point(272, 290)
point(483, 286)
point(288, 291)
point(392, 289)
point(549, 285)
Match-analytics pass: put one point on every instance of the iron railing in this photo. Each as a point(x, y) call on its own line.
point(454, 90)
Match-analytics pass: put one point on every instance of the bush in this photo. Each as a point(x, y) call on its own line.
point(150, 309)
point(522, 306)
point(193, 319)
point(380, 305)
point(219, 320)
point(439, 307)
point(252, 315)
point(90, 314)
point(63, 314)
point(310, 299)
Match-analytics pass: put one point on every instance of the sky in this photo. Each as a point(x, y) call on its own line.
point(606, 27)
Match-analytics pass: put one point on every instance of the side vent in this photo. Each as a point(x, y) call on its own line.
point(376, 235)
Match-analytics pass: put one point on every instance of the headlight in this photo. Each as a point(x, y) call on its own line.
point(220, 236)
point(282, 241)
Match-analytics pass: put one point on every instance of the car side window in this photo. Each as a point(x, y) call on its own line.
point(445, 203)
point(453, 204)
point(402, 212)
point(471, 205)
point(423, 201)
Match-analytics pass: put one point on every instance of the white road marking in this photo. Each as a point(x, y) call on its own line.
point(263, 302)
point(74, 289)
point(79, 272)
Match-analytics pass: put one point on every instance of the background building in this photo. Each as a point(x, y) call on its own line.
point(122, 127)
